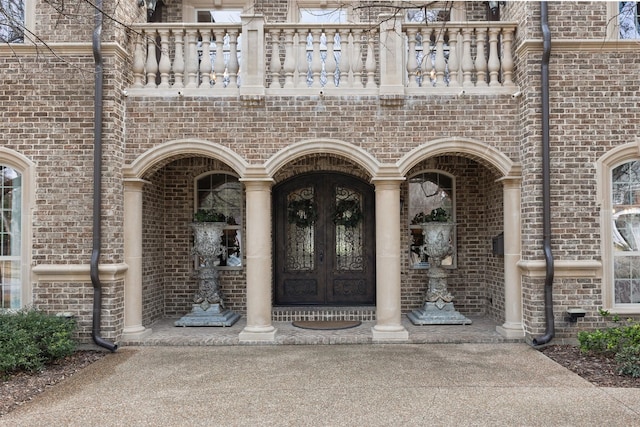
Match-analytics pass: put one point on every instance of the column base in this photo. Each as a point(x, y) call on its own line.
point(257, 334)
point(135, 334)
point(382, 333)
point(511, 330)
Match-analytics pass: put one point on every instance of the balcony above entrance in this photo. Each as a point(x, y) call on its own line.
point(390, 59)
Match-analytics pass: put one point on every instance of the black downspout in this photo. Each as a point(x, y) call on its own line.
point(97, 182)
point(546, 191)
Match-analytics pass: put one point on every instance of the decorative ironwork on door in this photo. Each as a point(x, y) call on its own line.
point(324, 242)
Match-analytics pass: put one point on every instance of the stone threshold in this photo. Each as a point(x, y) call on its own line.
point(297, 313)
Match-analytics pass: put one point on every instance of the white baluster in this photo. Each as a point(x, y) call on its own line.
point(467, 62)
point(453, 57)
point(370, 64)
point(275, 66)
point(164, 65)
point(303, 64)
point(205, 60)
point(218, 63)
point(192, 58)
point(507, 59)
point(138, 61)
point(481, 58)
point(412, 60)
point(316, 59)
point(440, 64)
point(494, 60)
point(152, 62)
point(330, 62)
point(233, 66)
point(356, 59)
point(289, 59)
point(178, 62)
point(344, 64)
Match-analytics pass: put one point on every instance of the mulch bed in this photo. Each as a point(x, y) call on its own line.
point(598, 369)
point(21, 387)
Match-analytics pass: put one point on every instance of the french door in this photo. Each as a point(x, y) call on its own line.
point(324, 238)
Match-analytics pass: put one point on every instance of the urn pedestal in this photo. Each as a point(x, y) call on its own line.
point(438, 306)
point(208, 304)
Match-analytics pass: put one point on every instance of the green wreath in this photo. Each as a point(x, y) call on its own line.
point(302, 213)
point(347, 213)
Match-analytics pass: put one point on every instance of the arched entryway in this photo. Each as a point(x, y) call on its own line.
point(324, 240)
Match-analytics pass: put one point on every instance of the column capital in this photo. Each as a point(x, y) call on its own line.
point(510, 181)
point(388, 175)
point(134, 184)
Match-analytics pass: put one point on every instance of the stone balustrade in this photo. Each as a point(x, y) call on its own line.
point(389, 59)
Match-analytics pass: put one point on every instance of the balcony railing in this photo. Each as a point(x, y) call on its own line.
point(391, 58)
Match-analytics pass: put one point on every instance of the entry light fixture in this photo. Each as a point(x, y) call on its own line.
point(150, 5)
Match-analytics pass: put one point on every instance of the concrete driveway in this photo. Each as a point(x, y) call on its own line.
point(329, 385)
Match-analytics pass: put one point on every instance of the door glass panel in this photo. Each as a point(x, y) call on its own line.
point(349, 230)
point(301, 229)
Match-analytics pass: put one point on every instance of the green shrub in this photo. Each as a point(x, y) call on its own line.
point(621, 341)
point(30, 339)
point(628, 360)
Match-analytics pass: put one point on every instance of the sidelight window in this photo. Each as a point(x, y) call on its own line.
point(10, 238)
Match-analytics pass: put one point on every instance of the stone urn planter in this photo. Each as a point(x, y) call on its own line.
point(208, 304)
point(438, 307)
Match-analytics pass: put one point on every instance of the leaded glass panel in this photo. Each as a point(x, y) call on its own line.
point(349, 230)
point(300, 240)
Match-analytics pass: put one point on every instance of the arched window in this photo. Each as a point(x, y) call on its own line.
point(428, 191)
point(625, 203)
point(10, 238)
point(221, 193)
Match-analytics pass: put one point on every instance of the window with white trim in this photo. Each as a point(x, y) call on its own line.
point(10, 238)
point(12, 21)
point(628, 22)
point(429, 190)
point(625, 202)
point(221, 193)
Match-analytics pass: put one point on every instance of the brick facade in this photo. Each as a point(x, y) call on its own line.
point(47, 116)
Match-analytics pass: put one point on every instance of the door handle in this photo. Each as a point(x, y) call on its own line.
point(321, 255)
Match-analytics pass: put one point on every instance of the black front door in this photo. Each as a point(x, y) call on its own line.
point(324, 250)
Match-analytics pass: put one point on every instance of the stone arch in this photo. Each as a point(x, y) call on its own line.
point(162, 154)
point(477, 150)
point(324, 146)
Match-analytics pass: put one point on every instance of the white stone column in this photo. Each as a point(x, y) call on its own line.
point(512, 327)
point(133, 329)
point(258, 249)
point(388, 313)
